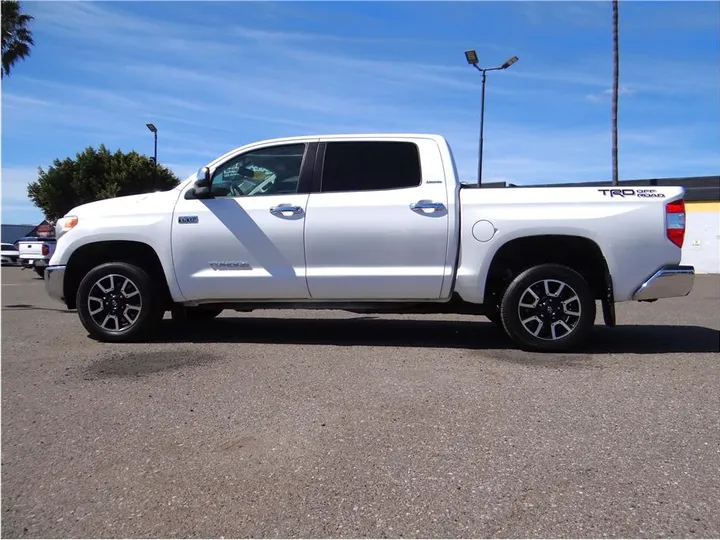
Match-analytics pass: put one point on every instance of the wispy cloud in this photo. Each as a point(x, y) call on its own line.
point(597, 97)
point(15, 182)
point(585, 14)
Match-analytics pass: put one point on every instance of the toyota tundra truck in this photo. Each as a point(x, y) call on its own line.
point(376, 223)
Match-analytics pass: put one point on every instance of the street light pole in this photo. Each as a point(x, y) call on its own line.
point(152, 128)
point(472, 59)
point(482, 129)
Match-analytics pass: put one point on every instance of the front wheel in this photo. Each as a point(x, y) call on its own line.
point(117, 302)
point(548, 308)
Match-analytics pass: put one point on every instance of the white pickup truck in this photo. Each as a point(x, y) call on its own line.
point(374, 223)
point(35, 252)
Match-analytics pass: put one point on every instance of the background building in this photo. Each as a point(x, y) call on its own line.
point(13, 233)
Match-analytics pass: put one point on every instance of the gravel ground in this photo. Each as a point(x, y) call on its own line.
point(323, 424)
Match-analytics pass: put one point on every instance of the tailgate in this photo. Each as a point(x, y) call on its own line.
point(31, 250)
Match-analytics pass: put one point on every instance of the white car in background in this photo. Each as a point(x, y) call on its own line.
point(10, 254)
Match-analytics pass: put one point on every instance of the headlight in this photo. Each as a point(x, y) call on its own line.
point(64, 224)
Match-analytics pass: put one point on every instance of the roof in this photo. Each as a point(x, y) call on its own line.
point(325, 137)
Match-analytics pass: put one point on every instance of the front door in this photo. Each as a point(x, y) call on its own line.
point(247, 242)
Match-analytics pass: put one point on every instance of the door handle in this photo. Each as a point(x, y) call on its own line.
point(280, 208)
point(429, 205)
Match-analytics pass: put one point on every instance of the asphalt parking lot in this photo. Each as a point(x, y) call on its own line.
point(279, 424)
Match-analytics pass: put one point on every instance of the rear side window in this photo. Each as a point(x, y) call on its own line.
point(371, 165)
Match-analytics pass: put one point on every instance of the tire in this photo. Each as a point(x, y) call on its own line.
point(40, 272)
point(546, 329)
point(139, 292)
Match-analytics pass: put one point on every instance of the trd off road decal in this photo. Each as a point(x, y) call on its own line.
point(644, 193)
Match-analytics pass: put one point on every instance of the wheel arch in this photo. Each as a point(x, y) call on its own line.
point(88, 256)
point(580, 253)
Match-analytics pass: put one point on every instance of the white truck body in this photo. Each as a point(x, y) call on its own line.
point(406, 236)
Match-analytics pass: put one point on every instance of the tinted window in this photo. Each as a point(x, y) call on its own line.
point(372, 165)
point(266, 171)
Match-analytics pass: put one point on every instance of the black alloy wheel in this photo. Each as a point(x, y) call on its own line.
point(117, 302)
point(548, 308)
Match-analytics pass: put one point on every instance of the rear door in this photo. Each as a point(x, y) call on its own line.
point(377, 221)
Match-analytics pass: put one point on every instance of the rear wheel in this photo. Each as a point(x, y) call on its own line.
point(117, 301)
point(40, 271)
point(548, 308)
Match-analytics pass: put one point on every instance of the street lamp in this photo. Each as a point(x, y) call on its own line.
point(152, 128)
point(472, 59)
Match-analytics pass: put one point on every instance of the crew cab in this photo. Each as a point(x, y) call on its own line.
point(376, 223)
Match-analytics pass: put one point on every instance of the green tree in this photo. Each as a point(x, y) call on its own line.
point(16, 36)
point(94, 175)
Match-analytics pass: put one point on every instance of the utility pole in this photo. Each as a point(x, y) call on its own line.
point(615, 89)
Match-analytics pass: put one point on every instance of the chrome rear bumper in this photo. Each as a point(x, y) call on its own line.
point(55, 282)
point(668, 282)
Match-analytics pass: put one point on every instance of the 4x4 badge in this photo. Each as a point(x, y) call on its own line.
point(187, 219)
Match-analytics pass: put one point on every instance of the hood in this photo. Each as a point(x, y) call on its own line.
point(118, 205)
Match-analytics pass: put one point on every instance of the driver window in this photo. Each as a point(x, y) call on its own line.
point(266, 171)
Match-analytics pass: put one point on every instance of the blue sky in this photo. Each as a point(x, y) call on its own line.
point(215, 75)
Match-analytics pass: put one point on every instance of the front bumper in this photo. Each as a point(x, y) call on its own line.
point(55, 282)
point(668, 282)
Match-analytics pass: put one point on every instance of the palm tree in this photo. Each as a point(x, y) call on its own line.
point(616, 81)
point(16, 36)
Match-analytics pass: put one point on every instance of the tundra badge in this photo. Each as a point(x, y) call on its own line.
point(230, 265)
